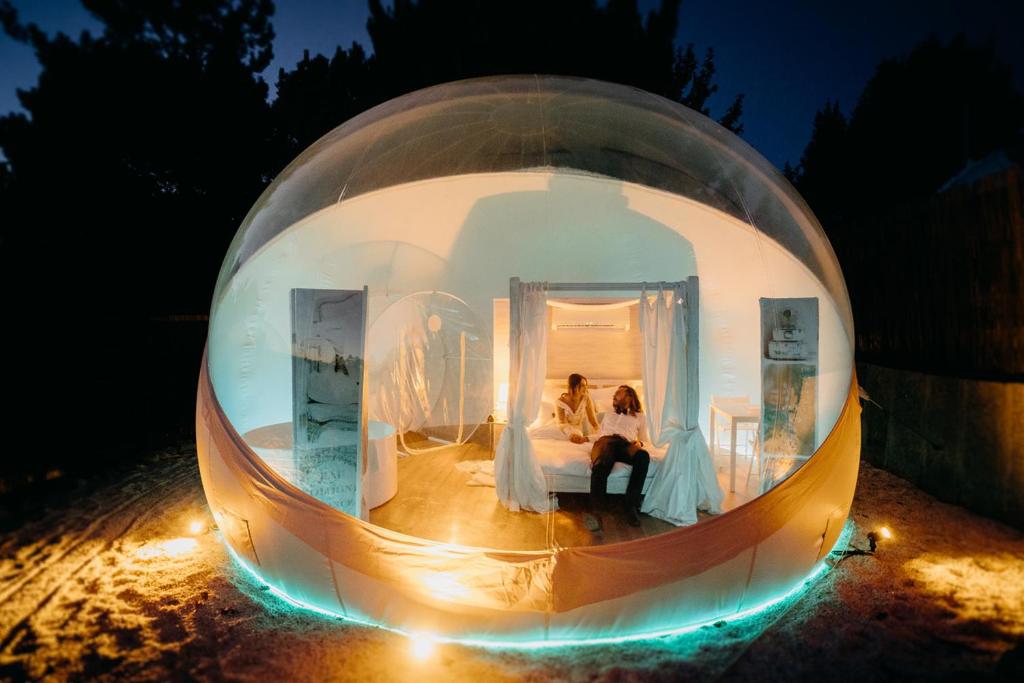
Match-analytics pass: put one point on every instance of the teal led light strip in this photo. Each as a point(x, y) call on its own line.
point(819, 570)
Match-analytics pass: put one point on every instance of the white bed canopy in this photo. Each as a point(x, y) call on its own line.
point(684, 480)
point(433, 202)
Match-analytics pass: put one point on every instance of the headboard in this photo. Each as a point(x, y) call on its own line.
point(612, 353)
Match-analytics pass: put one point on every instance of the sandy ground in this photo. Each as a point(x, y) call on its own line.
point(112, 586)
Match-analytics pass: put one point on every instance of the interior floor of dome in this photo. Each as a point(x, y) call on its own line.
point(435, 501)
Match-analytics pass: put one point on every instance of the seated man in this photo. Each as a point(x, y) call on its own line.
point(621, 439)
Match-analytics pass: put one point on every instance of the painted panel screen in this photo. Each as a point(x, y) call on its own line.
point(789, 379)
point(328, 331)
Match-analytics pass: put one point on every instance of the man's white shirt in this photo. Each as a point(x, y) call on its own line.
point(629, 427)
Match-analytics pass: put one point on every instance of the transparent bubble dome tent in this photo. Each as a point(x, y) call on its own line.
point(378, 291)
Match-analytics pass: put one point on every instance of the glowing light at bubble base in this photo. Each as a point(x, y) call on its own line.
point(174, 547)
point(797, 591)
point(422, 645)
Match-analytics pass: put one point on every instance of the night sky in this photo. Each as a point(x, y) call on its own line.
point(787, 56)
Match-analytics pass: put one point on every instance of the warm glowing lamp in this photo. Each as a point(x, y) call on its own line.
point(502, 406)
point(422, 645)
point(175, 547)
point(881, 533)
point(196, 527)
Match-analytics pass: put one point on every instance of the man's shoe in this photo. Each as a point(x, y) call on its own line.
point(592, 523)
point(632, 516)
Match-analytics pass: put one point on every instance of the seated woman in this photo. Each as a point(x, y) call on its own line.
point(575, 410)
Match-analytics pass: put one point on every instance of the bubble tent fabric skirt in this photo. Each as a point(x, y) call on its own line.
point(328, 561)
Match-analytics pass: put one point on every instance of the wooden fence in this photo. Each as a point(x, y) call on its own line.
point(939, 286)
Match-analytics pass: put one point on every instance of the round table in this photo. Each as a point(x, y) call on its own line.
point(380, 483)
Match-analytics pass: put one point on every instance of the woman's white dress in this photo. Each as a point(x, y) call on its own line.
point(576, 422)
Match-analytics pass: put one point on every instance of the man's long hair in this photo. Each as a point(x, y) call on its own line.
point(632, 402)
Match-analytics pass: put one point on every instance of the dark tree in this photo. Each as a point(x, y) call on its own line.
point(419, 44)
point(731, 118)
point(139, 153)
point(142, 147)
point(929, 269)
point(823, 175)
point(320, 93)
point(919, 120)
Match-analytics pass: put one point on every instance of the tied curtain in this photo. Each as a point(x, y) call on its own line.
point(518, 476)
point(685, 481)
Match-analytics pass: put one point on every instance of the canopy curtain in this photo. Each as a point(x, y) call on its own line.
point(685, 481)
point(518, 476)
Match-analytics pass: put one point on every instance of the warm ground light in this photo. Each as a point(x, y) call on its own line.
point(129, 581)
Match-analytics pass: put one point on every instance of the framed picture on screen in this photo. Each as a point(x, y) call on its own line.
point(328, 406)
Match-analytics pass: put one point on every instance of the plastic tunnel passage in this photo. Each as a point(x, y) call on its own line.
point(429, 365)
point(720, 567)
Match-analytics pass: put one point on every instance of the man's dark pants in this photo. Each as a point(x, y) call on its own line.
point(607, 451)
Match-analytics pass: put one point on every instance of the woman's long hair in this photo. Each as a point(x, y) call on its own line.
point(632, 401)
point(575, 381)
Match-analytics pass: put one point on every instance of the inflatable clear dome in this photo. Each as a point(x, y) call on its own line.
point(415, 400)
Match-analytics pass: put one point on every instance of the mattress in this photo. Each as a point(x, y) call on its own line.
point(559, 456)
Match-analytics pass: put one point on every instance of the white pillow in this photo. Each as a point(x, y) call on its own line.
point(603, 398)
point(546, 414)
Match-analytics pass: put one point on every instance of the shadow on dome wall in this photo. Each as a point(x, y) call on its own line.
point(568, 230)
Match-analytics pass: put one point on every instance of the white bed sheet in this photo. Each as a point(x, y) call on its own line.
point(559, 456)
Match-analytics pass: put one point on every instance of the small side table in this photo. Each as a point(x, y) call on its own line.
point(496, 427)
point(738, 412)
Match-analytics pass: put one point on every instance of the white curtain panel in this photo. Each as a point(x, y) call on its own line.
point(518, 475)
point(656, 317)
point(686, 480)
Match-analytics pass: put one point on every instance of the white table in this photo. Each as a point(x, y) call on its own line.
point(737, 413)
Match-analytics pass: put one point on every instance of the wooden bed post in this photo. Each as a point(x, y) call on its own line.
point(692, 350)
point(515, 295)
